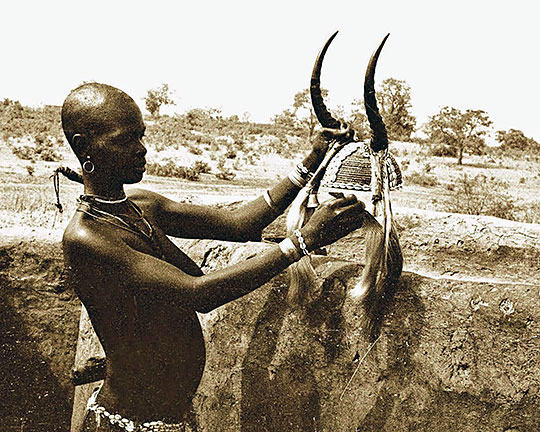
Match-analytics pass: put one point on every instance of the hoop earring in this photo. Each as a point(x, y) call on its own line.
point(88, 166)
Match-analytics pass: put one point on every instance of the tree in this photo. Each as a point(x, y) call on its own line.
point(156, 98)
point(304, 113)
point(515, 139)
point(285, 121)
point(394, 98)
point(358, 119)
point(459, 131)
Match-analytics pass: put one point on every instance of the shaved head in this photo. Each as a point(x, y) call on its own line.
point(93, 109)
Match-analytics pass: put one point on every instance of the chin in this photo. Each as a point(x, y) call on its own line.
point(135, 178)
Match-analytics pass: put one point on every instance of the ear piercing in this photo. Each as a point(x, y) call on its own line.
point(88, 166)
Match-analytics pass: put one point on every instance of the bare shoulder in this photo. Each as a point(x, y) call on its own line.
point(83, 239)
point(159, 206)
point(144, 196)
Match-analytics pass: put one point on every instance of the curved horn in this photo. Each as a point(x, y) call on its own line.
point(379, 137)
point(323, 115)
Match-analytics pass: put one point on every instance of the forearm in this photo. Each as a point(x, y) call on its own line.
point(218, 288)
point(256, 215)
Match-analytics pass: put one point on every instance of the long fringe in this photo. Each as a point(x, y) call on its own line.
point(383, 257)
point(381, 273)
point(302, 274)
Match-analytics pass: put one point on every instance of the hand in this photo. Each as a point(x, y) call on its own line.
point(323, 139)
point(333, 220)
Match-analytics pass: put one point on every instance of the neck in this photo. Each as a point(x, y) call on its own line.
point(107, 191)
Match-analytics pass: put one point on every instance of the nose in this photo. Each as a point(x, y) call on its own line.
point(141, 151)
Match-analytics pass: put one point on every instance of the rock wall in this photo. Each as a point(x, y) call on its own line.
point(452, 354)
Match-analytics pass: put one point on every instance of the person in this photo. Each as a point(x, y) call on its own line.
point(142, 292)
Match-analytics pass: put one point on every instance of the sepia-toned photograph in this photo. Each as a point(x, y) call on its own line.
point(286, 216)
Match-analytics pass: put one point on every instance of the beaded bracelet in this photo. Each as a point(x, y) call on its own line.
point(301, 242)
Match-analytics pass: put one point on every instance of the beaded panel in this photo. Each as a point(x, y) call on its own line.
point(351, 169)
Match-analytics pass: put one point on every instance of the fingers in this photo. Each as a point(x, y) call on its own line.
point(341, 201)
point(343, 134)
point(337, 194)
point(356, 207)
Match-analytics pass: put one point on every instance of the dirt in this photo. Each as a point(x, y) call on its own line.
point(458, 347)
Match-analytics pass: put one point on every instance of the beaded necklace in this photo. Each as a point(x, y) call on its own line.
point(88, 204)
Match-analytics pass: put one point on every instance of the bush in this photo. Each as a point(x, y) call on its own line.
point(170, 169)
point(201, 167)
point(224, 173)
point(44, 149)
point(422, 179)
point(482, 196)
point(442, 150)
point(405, 164)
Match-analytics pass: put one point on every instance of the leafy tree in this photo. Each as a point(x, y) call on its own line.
point(515, 139)
point(459, 130)
point(394, 98)
point(285, 121)
point(156, 98)
point(303, 112)
point(202, 118)
point(358, 119)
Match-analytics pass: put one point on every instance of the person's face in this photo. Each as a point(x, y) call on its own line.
point(119, 153)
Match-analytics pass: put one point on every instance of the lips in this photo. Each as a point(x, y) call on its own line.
point(140, 164)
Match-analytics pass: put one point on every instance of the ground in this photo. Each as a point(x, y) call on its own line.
point(469, 314)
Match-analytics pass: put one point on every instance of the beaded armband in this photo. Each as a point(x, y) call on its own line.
point(301, 242)
point(300, 175)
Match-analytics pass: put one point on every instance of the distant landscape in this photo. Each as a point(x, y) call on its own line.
point(449, 169)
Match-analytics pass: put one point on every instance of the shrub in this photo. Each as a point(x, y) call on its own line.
point(195, 150)
point(405, 164)
point(231, 154)
point(224, 173)
point(43, 149)
point(170, 169)
point(481, 195)
point(201, 167)
point(420, 179)
point(427, 168)
point(442, 150)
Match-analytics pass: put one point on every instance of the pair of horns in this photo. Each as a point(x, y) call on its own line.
point(379, 137)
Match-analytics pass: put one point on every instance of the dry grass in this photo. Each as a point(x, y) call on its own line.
point(431, 183)
point(33, 205)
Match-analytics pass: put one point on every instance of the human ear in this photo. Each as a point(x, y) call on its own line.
point(79, 144)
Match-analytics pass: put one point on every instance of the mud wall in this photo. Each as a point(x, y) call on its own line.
point(451, 355)
point(38, 334)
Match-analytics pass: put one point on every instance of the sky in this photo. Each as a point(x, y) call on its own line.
point(253, 56)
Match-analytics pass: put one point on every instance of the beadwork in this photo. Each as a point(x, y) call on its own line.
point(300, 175)
point(129, 425)
point(301, 242)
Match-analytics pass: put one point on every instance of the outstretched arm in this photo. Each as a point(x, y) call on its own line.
point(247, 222)
point(203, 293)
